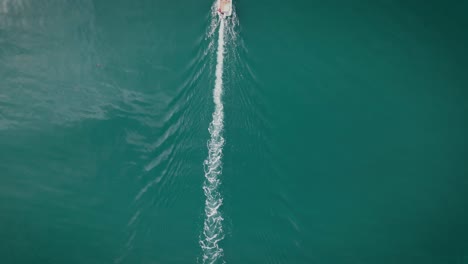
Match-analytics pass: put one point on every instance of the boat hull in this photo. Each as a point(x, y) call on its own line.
point(225, 8)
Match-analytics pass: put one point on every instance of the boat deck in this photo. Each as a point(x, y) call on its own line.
point(225, 6)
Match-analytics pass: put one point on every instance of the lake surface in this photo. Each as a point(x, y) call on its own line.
point(326, 132)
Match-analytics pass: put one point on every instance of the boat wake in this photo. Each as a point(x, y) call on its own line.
point(212, 227)
point(213, 223)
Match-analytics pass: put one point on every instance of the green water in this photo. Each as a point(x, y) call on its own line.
point(345, 128)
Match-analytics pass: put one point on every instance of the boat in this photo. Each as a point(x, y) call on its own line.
point(224, 8)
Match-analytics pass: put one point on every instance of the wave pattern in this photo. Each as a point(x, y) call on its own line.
point(213, 224)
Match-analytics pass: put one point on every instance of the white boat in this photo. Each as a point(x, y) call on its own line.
point(224, 8)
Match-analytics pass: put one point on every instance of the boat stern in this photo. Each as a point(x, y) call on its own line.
point(225, 8)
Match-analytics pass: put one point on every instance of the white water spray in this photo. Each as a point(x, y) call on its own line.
point(213, 228)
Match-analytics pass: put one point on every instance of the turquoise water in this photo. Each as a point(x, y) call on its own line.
point(334, 132)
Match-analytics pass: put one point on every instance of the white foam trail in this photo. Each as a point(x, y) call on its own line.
point(213, 228)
